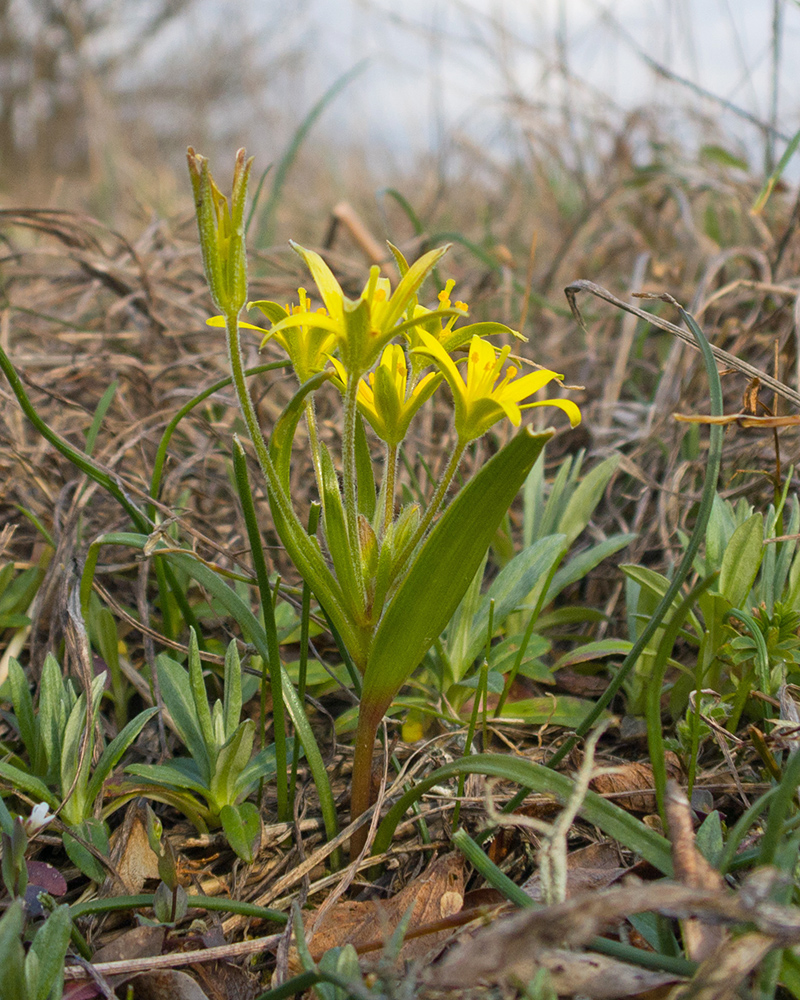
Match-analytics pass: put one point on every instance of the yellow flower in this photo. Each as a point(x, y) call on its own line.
point(440, 323)
point(364, 326)
point(306, 343)
point(382, 397)
point(481, 400)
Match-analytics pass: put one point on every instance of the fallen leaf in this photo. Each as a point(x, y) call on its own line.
point(594, 867)
point(690, 868)
point(724, 970)
point(131, 854)
point(508, 946)
point(138, 942)
point(166, 984)
point(436, 894)
point(631, 785)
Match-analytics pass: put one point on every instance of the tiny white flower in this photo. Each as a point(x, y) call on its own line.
point(40, 816)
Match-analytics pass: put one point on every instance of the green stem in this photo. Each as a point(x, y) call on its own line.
point(436, 502)
point(349, 471)
point(313, 440)
point(369, 717)
point(268, 610)
point(388, 487)
point(303, 550)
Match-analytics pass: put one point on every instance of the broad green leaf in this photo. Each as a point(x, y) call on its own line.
point(261, 766)
point(75, 732)
point(508, 591)
point(598, 650)
point(242, 826)
point(200, 698)
point(554, 710)
point(585, 498)
point(12, 954)
point(170, 775)
point(442, 571)
point(177, 694)
point(460, 625)
point(656, 586)
point(584, 562)
point(741, 560)
point(114, 751)
point(232, 695)
point(23, 709)
point(28, 783)
point(719, 529)
point(53, 702)
point(533, 502)
point(44, 963)
point(231, 761)
point(94, 832)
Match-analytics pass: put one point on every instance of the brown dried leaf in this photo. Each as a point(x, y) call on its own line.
point(131, 854)
point(631, 785)
point(436, 894)
point(594, 867)
point(724, 970)
point(690, 868)
point(139, 942)
point(512, 943)
point(582, 973)
point(166, 984)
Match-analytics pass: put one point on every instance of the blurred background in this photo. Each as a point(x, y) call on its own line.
point(99, 97)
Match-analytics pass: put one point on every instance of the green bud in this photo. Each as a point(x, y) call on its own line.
point(221, 230)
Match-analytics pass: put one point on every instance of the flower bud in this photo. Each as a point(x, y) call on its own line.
point(221, 230)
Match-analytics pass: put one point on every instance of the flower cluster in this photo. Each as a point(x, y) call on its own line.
point(352, 334)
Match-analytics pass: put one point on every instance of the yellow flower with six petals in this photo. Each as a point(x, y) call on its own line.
point(481, 400)
point(383, 397)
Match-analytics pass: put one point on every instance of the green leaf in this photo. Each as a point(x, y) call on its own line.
point(12, 954)
point(169, 774)
point(200, 698)
point(612, 820)
point(508, 591)
point(345, 560)
point(232, 694)
point(114, 751)
point(231, 761)
point(28, 783)
point(74, 809)
point(177, 694)
point(94, 832)
point(432, 589)
point(242, 827)
point(44, 963)
point(365, 473)
point(741, 560)
point(578, 566)
point(23, 709)
point(53, 710)
point(554, 710)
point(585, 498)
point(598, 650)
point(712, 153)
